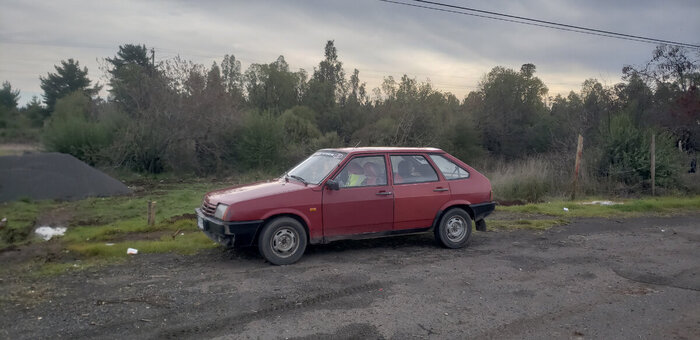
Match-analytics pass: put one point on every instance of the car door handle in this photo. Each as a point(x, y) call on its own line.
point(440, 189)
point(384, 193)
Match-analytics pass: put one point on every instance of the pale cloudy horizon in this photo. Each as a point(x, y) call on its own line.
point(453, 51)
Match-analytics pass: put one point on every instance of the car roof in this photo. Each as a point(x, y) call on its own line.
point(370, 149)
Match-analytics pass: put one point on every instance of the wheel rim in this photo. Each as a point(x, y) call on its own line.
point(456, 228)
point(284, 242)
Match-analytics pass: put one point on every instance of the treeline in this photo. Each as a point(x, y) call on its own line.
point(175, 115)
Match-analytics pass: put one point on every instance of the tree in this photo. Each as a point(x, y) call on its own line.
point(597, 107)
point(326, 89)
point(69, 77)
point(272, 87)
point(669, 64)
point(35, 112)
point(232, 77)
point(131, 71)
point(128, 56)
point(510, 110)
point(8, 96)
point(675, 77)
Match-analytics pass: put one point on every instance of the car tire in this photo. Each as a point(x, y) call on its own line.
point(282, 241)
point(454, 229)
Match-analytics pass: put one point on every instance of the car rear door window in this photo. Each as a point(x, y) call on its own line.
point(412, 169)
point(448, 168)
point(363, 172)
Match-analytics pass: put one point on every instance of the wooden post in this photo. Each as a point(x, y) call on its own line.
point(151, 213)
point(579, 153)
point(653, 164)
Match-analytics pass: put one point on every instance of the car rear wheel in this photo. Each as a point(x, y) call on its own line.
point(282, 241)
point(455, 229)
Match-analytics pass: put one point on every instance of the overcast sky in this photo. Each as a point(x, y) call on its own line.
point(380, 39)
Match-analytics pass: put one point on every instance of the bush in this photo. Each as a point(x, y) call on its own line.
point(71, 130)
point(260, 142)
point(626, 155)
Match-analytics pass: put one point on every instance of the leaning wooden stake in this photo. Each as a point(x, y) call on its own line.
point(653, 164)
point(579, 153)
point(151, 213)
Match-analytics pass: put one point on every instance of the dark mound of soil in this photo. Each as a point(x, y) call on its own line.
point(53, 176)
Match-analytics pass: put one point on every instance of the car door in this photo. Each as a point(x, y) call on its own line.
point(364, 203)
point(418, 191)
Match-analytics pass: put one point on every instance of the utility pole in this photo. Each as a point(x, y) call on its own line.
point(153, 57)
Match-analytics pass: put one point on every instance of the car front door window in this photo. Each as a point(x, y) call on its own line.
point(363, 172)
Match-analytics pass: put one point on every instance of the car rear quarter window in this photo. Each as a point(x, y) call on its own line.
point(448, 168)
point(412, 169)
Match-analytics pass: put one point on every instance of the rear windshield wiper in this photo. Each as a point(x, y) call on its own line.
point(299, 179)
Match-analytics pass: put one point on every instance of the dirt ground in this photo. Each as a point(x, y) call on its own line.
point(595, 278)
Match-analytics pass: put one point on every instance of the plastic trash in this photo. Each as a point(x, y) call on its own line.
point(566, 209)
point(132, 251)
point(602, 203)
point(47, 232)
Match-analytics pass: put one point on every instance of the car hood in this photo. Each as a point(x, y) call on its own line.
point(253, 191)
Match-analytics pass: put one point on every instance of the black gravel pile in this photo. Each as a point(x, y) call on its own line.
point(53, 176)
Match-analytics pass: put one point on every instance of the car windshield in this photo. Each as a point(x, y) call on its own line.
point(315, 168)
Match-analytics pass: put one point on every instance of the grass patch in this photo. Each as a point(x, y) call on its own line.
point(171, 200)
point(115, 230)
point(58, 268)
point(526, 224)
point(21, 216)
point(629, 208)
point(187, 244)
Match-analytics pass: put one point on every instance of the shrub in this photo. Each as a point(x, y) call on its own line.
point(260, 141)
point(71, 130)
point(626, 155)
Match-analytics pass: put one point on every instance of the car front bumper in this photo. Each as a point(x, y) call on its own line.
point(230, 234)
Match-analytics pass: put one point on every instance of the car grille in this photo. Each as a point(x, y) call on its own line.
point(208, 208)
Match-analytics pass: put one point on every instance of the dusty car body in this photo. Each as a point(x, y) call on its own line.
point(351, 193)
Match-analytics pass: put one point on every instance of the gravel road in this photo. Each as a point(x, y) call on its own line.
point(595, 278)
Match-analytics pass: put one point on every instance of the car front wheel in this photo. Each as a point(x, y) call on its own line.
point(455, 229)
point(282, 241)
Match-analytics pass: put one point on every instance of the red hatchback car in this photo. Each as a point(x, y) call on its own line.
point(351, 193)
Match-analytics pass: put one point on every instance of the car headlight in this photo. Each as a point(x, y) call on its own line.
point(221, 211)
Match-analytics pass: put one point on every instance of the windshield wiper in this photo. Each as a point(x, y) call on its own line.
point(299, 179)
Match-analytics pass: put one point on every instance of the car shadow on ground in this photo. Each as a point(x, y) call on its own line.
point(411, 243)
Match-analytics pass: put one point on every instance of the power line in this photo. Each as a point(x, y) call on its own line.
point(536, 22)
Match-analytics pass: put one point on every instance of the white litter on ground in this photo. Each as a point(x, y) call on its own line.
point(602, 202)
point(566, 209)
point(132, 251)
point(47, 232)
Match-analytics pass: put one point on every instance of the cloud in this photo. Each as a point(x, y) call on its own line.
point(453, 51)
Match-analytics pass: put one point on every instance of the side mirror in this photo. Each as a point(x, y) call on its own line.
point(333, 185)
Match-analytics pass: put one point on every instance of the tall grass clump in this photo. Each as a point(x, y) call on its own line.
point(527, 180)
